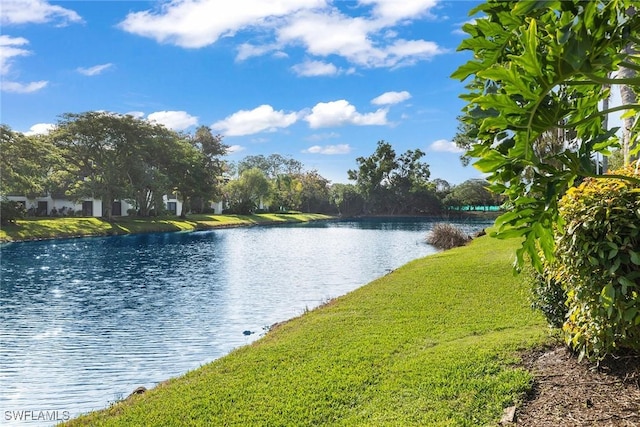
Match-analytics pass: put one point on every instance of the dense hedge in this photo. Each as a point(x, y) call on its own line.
point(598, 265)
point(10, 211)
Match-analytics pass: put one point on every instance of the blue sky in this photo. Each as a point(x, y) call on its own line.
point(317, 80)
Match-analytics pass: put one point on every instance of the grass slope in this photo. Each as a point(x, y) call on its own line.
point(47, 228)
point(433, 343)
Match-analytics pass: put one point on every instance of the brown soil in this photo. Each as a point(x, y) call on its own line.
point(569, 393)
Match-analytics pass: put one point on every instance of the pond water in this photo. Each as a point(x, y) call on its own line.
point(86, 321)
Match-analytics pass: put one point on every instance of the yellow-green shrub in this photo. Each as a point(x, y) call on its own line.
point(598, 264)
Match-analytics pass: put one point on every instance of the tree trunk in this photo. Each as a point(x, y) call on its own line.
point(605, 126)
point(185, 208)
point(107, 201)
point(158, 202)
point(627, 96)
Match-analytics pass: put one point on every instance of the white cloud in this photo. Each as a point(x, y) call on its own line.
point(95, 70)
point(408, 52)
point(329, 149)
point(10, 47)
point(235, 149)
point(248, 122)
point(446, 146)
point(322, 136)
point(248, 50)
point(340, 113)
point(35, 12)
point(315, 68)
point(392, 11)
point(332, 33)
point(176, 120)
point(459, 26)
point(199, 23)
point(369, 40)
point(16, 87)
point(389, 98)
point(40, 129)
point(325, 33)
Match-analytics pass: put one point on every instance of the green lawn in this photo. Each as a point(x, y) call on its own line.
point(46, 228)
point(435, 342)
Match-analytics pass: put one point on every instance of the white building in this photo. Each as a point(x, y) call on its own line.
point(50, 206)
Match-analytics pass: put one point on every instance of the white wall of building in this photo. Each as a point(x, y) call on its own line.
point(96, 205)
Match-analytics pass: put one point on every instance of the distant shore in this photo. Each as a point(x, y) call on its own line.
point(71, 227)
point(29, 229)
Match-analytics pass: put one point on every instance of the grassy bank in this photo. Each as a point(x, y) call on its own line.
point(433, 343)
point(48, 228)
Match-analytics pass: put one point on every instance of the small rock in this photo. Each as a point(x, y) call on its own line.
point(508, 416)
point(139, 390)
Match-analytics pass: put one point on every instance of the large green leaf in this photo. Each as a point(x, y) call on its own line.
point(490, 161)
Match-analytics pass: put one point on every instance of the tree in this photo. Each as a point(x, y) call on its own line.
point(536, 67)
point(152, 171)
point(347, 199)
point(26, 163)
point(314, 191)
point(96, 147)
point(373, 176)
point(409, 183)
point(247, 193)
point(441, 187)
point(466, 135)
point(119, 157)
point(292, 187)
point(287, 192)
point(272, 165)
point(199, 169)
point(474, 192)
point(391, 184)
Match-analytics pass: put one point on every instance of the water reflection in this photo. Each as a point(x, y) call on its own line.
point(86, 321)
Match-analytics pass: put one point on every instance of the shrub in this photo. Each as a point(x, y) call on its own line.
point(446, 236)
point(598, 264)
point(549, 297)
point(10, 211)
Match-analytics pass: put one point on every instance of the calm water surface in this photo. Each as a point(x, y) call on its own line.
point(86, 321)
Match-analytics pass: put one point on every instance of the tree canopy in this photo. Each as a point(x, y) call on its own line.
point(392, 184)
point(247, 193)
point(26, 163)
point(112, 157)
point(539, 67)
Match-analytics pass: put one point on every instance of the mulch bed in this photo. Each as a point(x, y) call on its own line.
point(572, 394)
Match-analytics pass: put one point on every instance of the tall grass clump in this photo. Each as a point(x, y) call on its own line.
point(446, 236)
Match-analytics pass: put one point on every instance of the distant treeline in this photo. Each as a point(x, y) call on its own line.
point(119, 157)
